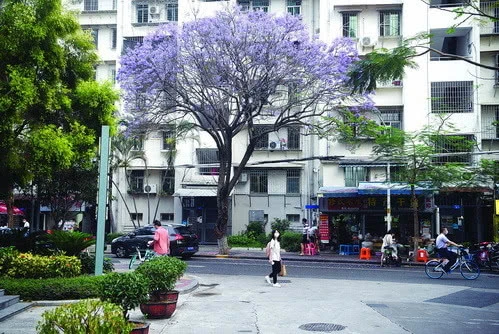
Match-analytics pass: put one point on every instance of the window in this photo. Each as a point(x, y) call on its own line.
point(137, 181)
point(292, 93)
point(350, 25)
point(138, 143)
point(91, 5)
point(293, 219)
point(208, 156)
point(497, 72)
point(112, 74)
point(355, 174)
point(262, 5)
point(136, 216)
point(258, 182)
point(389, 23)
point(490, 121)
point(391, 116)
point(448, 144)
point(294, 7)
point(452, 43)
point(293, 138)
point(113, 38)
point(95, 36)
point(448, 3)
point(166, 217)
point(452, 97)
point(142, 13)
point(263, 141)
point(172, 10)
point(293, 181)
point(168, 177)
point(131, 42)
point(169, 139)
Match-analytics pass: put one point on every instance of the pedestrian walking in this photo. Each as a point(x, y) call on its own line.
point(161, 242)
point(274, 258)
point(304, 235)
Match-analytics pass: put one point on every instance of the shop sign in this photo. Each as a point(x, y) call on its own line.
point(367, 203)
point(324, 228)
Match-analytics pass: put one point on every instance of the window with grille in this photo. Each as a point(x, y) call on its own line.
point(262, 5)
point(452, 97)
point(112, 74)
point(169, 139)
point(91, 5)
point(95, 36)
point(142, 13)
point(168, 184)
point(263, 142)
point(450, 144)
point(294, 7)
point(137, 181)
point(137, 216)
point(490, 121)
point(137, 143)
point(172, 10)
point(293, 218)
point(391, 116)
point(389, 23)
point(294, 138)
point(448, 3)
point(293, 181)
point(167, 217)
point(208, 156)
point(497, 65)
point(259, 182)
point(354, 175)
point(350, 24)
point(113, 38)
point(131, 42)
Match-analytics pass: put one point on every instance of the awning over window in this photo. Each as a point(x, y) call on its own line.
point(196, 192)
point(380, 188)
point(338, 192)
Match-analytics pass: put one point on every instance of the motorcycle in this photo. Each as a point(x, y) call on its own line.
point(487, 255)
point(389, 257)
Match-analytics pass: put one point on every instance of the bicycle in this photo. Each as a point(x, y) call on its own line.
point(138, 258)
point(469, 269)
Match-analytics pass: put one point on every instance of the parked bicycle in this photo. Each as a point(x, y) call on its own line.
point(140, 256)
point(469, 269)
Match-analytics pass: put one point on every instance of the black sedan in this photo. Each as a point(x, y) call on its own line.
point(183, 242)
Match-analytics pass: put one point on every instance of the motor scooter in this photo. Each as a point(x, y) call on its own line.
point(389, 257)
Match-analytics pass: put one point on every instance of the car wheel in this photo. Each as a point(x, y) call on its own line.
point(186, 256)
point(121, 252)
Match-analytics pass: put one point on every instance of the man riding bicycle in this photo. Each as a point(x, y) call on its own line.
point(442, 243)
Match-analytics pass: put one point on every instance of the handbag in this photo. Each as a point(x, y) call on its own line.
point(283, 271)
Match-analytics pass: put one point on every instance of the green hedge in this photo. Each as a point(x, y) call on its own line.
point(290, 241)
point(27, 265)
point(243, 240)
point(80, 287)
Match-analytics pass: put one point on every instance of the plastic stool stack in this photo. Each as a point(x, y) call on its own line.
point(310, 249)
point(349, 249)
point(365, 254)
point(422, 255)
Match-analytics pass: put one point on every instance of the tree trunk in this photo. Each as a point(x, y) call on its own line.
point(222, 219)
point(414, 206)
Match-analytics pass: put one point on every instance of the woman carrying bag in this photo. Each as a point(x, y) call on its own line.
point(274, 258)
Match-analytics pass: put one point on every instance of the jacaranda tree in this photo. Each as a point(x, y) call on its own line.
point(231, 71)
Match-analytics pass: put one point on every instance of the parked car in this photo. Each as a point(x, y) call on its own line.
point(183, 241)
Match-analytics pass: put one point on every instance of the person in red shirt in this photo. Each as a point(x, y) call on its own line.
point(161, 242)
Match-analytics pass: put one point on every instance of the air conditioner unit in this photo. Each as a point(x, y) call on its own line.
point(272, 145)
point(367, 41)
point(243, 178)
point(153, 10)
point(150, 188)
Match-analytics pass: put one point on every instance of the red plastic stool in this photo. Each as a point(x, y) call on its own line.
point(422, 255)
point(365, 254)
point(310, 249)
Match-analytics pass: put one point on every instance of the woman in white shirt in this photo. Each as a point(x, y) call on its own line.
point(275, 258)
point(389, 242)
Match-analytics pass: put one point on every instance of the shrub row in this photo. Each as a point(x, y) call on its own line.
point(27, 265)
point(80, 287)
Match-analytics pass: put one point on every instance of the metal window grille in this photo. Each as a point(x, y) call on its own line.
point(131, 42)
point(168, 178)
point(172, 10)
point(293, 218)
point(294, 7)
point(454, 144)
point(244, 4)
point(490, 119)
point(262, 5)
point(452, 97)
point(169, 139)
point(167, 216)
point(293, 181)
point(497, 72)
point(263, 141)
point(208, 156)
point(137, 216)
point(391, 116)
point(448, 3)
point(114, 4)
point(95, 36)
point(142, 13)
point(91, 5)
point(138, 143)
point(259, 182)
point(389, 23)
point(137, 181)
point(355, 174)
point(114, 38)
point(350, 25)
point(113, 75)
point(294, 138)
point(490, 26)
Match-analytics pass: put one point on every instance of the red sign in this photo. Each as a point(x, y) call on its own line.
point(324, 228)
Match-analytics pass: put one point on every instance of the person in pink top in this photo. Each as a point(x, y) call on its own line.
point(161, 242)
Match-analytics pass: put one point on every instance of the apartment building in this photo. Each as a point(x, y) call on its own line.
point(181, 188)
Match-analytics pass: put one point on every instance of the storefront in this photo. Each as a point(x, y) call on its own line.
point(355, 212)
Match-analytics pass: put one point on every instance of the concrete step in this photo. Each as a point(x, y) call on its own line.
point(13, 310)
point(6, 301)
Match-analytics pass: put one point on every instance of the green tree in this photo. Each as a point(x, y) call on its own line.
point(47, 92)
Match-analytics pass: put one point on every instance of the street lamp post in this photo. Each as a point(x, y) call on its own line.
point(388, 217)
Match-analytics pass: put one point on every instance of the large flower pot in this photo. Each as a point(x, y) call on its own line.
point(158, 310)
point(140, 328)
point(169, 296)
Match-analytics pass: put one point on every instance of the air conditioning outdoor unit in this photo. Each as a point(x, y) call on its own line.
point(243, 178)
point(367, 41)
point(150, 189)
point(153, 10)
point(272, 145)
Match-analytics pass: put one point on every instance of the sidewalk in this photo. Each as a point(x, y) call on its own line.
point(324, 256)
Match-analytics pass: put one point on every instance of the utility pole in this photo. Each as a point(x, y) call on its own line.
point(388, 217)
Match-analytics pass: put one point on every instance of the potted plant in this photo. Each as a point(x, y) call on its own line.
point(161, 273)
point(128, 290)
